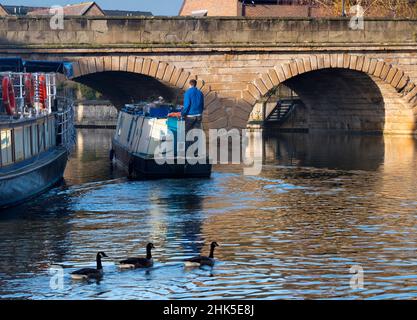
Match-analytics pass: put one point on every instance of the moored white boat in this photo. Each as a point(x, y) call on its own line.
point(36, 129)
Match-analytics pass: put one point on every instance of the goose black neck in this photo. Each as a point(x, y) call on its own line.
point(98, 260)
point(211, 252)
point(148, 253)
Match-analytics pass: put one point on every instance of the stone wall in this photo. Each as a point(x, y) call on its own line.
point(190, 32)
point(99, 114)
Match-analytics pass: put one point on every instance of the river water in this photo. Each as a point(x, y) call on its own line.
point(322, 205)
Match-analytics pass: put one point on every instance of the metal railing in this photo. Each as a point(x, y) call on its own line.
point(65, 129)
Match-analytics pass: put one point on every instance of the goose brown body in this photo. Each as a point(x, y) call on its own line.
point(202, 260)
point(90, 273)
point(139, 262)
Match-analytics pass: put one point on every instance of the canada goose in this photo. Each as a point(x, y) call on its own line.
point(132, 263)
point(90, 273)
point(202, 260)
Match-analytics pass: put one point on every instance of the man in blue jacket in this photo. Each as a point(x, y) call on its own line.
point(193, 107)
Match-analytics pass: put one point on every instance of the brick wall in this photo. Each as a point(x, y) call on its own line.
point(283, 11)
point(214, 7)
point(94, 11)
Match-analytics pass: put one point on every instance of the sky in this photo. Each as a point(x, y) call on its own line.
point(157, 7)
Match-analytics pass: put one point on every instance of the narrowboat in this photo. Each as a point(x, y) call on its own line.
point(149, 143)
point(36, 128)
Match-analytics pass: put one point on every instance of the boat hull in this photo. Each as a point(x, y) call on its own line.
point(20, 183)
point(140, 167)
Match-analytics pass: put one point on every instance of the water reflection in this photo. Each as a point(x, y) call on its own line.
point(333, 151)
point(321, 205)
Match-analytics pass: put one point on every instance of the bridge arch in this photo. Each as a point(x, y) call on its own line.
point(397, 91)
point(139, 68)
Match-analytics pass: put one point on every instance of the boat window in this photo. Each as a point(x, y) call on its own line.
point(47, 135)
point(27, 141)
point(120, 126)
point(6, 147)
point(130, 129)
point(19, 153)
point(41, 137)
point(52, 131)
point(35, 144)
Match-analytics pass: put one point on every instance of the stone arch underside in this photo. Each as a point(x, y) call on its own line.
point(123, 75)
point(364, 81)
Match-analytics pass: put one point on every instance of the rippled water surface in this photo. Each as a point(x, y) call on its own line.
point(322, 204)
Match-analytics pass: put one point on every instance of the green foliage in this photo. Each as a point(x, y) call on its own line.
point(81, 91)
point(87, 93)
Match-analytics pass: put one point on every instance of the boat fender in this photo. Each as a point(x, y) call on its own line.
point(29, 90)
point(9, 100)
point(42, 91)
point(111, 155)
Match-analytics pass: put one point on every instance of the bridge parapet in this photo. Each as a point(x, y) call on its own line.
point(91, 32)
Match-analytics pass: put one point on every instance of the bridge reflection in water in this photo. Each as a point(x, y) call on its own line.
point(321, 204)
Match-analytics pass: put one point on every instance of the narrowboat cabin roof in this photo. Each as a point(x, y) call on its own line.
point(20, 65)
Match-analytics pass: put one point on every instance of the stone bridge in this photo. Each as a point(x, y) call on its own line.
point(355, 80)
